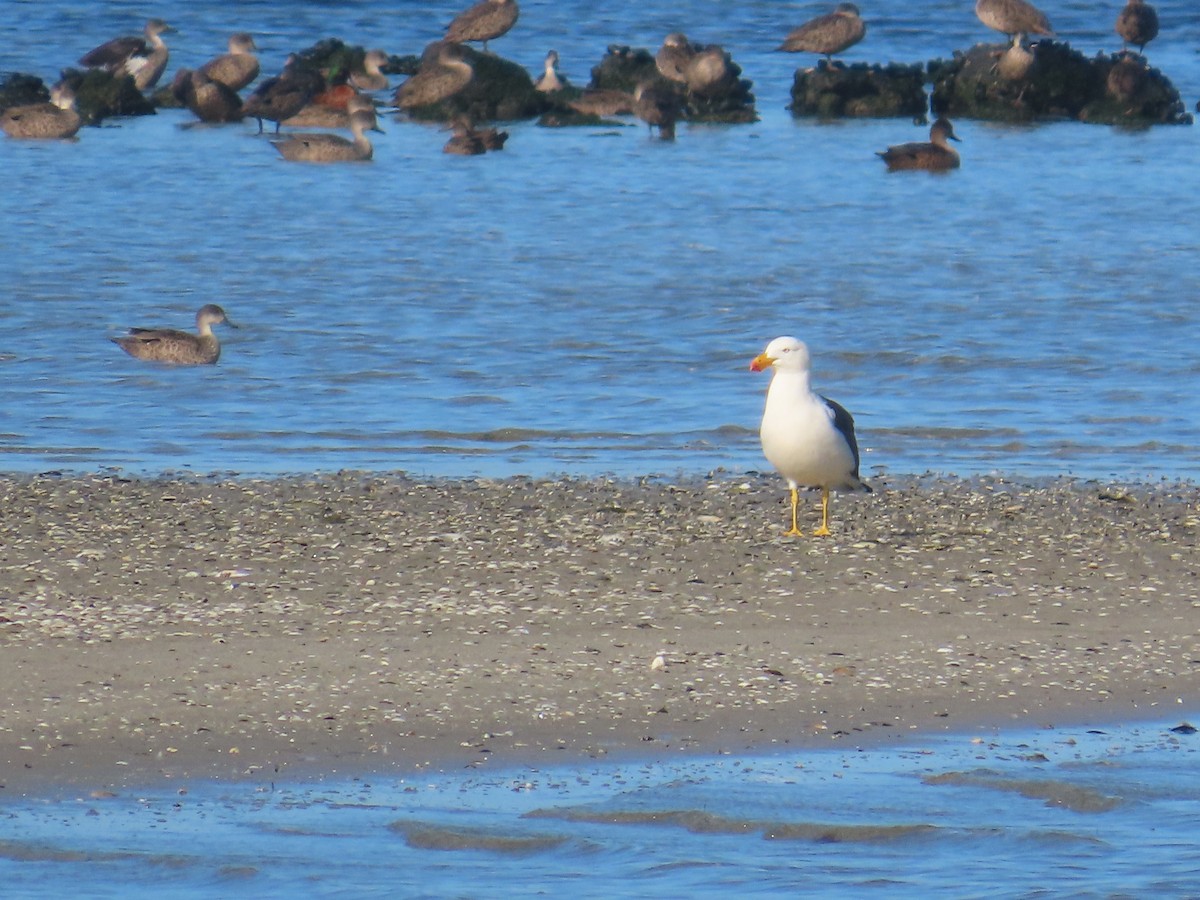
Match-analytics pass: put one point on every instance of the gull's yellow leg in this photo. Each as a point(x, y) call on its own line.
point(824, 529)
point(795, 529)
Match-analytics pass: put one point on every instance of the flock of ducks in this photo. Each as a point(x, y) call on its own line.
point(298, 96)
point(807, 437)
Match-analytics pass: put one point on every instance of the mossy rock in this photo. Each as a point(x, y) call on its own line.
point(1135, 94)
point(1061, 83)
point(623, 69)
point(19, 89)
point(501, 90)
point(860, 91)
point(100, 95)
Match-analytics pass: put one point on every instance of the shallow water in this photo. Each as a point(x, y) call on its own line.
point(1060, 813)
point(587, 300)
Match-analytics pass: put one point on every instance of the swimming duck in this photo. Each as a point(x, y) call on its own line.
point(1012, 17)
point(1137, 24)
point(808, 438)
point(443, 73)
point(145, 59)
point(57, 119)
point(484, 21)
point(284, 95)
point(332, 147)
point(464, 141)
point(238, 67)
point(828, 34)
point(179, 347)
point(371, 78)
point(935, 156)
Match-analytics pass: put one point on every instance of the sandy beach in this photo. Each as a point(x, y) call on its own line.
point(218, 627)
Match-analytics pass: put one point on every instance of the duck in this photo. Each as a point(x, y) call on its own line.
point(603, 102)
point(828, 34)
point(332, 147)
point(143, 58)
point(465, 141)
point(371, 78)
point(209, 100)
point(444, 71)
point(808, 438)
point(550, 81)
point(283, 95)
point(237, 68)
point(1013, 17)
point(658, 108)
point(1137, 24)
point(56, 120)
point(317, 115)
point(1015, 62)
point(710, 72)
point(485, 21)
point(935, 156)
point(183, 348)
point(673, 56)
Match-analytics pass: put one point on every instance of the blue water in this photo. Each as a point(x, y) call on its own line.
point(1058, 813)
point(587, 300)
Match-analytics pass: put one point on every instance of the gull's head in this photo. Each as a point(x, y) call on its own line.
point(782, 353)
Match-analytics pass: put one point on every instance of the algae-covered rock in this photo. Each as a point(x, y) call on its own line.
point(499, 89)
point(19, 89)
point(100, 94)
point(713, 91)
point(1057, 83)
point(860, 90)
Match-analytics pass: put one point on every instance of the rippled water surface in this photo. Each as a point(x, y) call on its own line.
point(1108, 813)
point(587, 300)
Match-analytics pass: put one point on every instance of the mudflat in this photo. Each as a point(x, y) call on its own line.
point(183, 628)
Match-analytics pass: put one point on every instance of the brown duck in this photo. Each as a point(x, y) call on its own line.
point(484, 21)
point(167, 345)
point(238, 67)
point(332, 147)
point(55, 120)
point(935, 156)
point(828, 34)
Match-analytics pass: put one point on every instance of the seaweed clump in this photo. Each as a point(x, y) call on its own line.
point(100, 95)
point(19, 89)
point(860, 91)
point(499, 90)
point(1055, 83)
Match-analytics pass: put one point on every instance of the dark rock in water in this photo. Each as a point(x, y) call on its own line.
point(1184, 728)
point(720, 94)
point(860, 90)
point(499, 90)
point(1059, 84)
point(623, 69)
point(337, 60)
point(100, 94)
point(20, 90)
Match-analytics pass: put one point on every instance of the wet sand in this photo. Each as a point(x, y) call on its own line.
point(195, 628)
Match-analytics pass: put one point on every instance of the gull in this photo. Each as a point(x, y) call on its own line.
point(808, 438)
